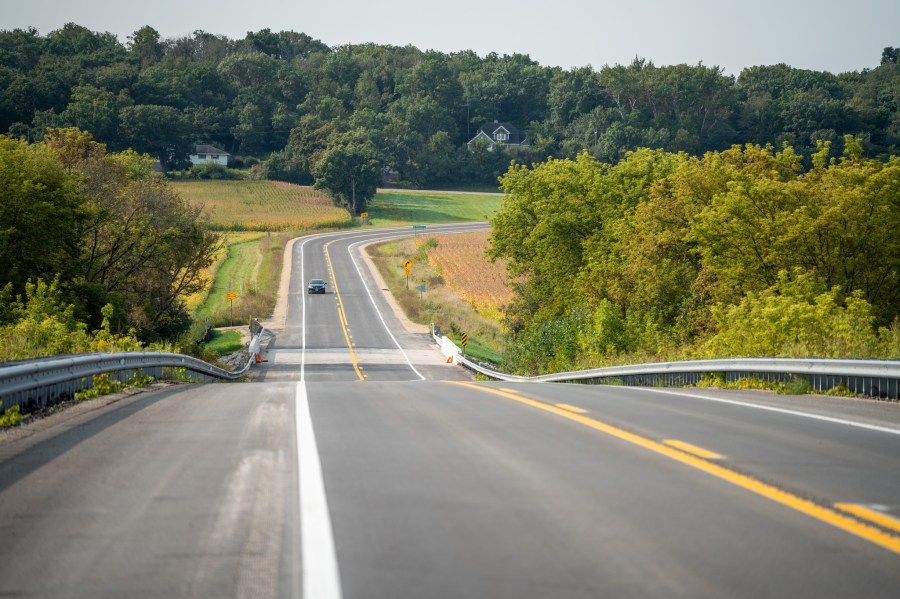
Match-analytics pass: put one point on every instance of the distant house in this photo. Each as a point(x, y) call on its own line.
point(497, 134)
point(204, 153)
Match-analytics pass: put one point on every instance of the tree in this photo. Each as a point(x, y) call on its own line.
point(144, 44)
point(94, 110)
point(142, 247)
point(160, 131)
point(43, 216)
point(350, 171)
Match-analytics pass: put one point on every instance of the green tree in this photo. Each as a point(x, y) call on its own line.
point(350, 172)
point(42, 213)
point(160, 131)
point(146, 47)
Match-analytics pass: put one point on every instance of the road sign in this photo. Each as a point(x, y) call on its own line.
point(407, 264)
point(364, 215)
point(465, 339)
point(231, 295)
point(421, 287)
point(419, 226)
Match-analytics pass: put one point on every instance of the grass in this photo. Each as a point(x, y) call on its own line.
point(251, 268)
point(393, 208)
point(224, 342)
point(251, 264)
point(262, 205)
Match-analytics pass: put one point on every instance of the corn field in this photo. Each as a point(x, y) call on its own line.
point(262, 205)
point(461, 261)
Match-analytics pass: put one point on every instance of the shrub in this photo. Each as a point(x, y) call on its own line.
point(213, 170)
point(11, 417)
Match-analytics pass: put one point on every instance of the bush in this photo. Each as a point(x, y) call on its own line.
point(213, 170)
point(796, 318)
point(11, 417)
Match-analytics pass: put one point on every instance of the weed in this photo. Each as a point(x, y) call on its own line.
point(11, 417)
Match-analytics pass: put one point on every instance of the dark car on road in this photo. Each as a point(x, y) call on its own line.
point(316, 286)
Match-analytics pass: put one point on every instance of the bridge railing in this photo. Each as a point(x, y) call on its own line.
point(35, 384)
point(872, 378)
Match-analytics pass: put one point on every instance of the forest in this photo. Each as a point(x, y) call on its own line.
point(283, 101)
point(668, 256)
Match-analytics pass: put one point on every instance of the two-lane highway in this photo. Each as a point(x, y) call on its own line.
point(360, 465)
point(350, 332)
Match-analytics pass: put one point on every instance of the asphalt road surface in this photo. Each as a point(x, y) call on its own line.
point(359, 464)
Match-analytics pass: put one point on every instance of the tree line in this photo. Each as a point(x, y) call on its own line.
point(738, 253)
point(287, 99)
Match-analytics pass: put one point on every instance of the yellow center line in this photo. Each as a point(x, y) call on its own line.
point(342, 315)
point(803, 506)
point(697, 451)
point(869, 514)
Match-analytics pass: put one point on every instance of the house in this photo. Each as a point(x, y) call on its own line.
point(497, 134)
point(204, 153)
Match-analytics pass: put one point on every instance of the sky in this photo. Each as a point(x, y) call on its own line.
point(823, 35)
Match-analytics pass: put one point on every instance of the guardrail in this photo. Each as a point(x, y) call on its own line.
point(872, 378)
point(35, 384)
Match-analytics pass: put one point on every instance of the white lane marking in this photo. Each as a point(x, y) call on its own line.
point(377, 311)
point(380, 232)
point(321, 576)
point(303, 312)
point(871, 427)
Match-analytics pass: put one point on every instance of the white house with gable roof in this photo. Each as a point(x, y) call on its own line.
point(204, 153)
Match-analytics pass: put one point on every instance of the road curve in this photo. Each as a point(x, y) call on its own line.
point(357, 466)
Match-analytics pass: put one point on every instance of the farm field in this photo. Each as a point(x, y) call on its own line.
point(460, 296)
point(391, 208)
point(262, 205)
point(461, 262)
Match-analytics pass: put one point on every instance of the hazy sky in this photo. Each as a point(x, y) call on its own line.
point(830, 35)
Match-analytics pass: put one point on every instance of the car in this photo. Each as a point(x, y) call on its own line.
point(316, 286)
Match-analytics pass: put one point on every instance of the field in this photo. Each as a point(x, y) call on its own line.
point(391, 208)
point(249, 265)
point(452, 287)
point(262, 205)
point(461, 262)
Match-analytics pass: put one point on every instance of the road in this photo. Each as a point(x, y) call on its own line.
point(358, 464)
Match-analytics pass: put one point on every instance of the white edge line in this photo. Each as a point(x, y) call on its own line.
point(377, 311)
point(321, 576)
point(474, 225)
point(871, 427)
point(303, 313)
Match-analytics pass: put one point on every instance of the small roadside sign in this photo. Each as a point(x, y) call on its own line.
point(231, 296)
point(364, 215)
point(465, 339)
point(407, 264)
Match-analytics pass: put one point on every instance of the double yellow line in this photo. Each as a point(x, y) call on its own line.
point(861, 525)
point(343, 316)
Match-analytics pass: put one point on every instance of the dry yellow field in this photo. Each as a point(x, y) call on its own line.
point(262, 205)
point(461, 261)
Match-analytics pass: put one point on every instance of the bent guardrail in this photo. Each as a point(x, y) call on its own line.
point(34, 384)
point(872, 378)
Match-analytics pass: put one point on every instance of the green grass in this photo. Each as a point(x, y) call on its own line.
point(251, 269)
point(392, 208)
point(477, 351)
point(224, 342)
